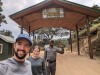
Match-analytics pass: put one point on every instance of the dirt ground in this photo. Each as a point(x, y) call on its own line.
point(73, 64)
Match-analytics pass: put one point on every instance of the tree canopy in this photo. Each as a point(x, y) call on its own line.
point(2, 17)
point(6, 33)
point(49, 33)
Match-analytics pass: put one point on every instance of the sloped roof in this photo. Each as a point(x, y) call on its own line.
point(7, 39)
point(74, 14)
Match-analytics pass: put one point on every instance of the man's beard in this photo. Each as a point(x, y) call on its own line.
point(20, 57)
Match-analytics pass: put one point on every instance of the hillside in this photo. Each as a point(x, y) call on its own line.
point(95, 41)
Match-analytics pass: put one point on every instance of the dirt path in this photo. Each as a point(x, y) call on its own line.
point(72, 64)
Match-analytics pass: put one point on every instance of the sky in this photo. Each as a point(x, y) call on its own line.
point(13, 6)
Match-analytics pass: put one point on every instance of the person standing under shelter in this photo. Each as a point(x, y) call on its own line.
point(17, 65)
point(37, 63)
point(50, 57)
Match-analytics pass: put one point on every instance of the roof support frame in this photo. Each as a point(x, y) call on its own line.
point(78, 22)
point(21, 25)
point(26, 21)
point(33, 21)
point(85, 14)
point(28, 25)
point(62, 4)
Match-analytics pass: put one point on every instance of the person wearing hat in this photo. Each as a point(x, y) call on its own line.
point(18, 65)
point(50, 57)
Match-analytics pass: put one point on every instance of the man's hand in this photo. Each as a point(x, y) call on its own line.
point(60, 45)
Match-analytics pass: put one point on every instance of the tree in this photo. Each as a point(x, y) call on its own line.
point(2, 17)
point(96, 7)
point(46, 34)
point(6, 33)
point(97, 20)
point(49, 33)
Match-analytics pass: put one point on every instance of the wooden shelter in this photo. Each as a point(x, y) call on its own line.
point(55, 13)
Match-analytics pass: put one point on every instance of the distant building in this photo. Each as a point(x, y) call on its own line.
point(6, 46)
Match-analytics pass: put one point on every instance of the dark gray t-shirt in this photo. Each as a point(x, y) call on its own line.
point(12, 67)
point(37, 65)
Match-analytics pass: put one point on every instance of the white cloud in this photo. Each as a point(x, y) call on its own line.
point(13, 6)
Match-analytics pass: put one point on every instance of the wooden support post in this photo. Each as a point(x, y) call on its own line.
point(29, 30)
point(29, 35)
point(78, 47)
point(33, 38)
point(21, 26)
point(89, 38)
point(70, 41)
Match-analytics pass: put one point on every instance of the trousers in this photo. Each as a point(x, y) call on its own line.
point(51, 68)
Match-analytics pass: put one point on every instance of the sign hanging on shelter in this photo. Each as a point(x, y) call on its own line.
point(53, 13)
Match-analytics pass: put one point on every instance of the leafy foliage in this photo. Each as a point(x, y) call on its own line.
point(46, 34)
point(2, 17)
point(63, 41)
point(97, 20)
point(96, 7)
point(49, 33)
point(6, 33)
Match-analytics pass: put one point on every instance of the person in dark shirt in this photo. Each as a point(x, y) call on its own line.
point(37, 63)
point(50, 55)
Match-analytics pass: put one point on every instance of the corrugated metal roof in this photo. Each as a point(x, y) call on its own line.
point(7, 38)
